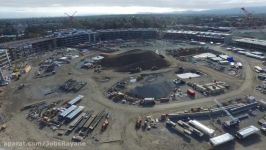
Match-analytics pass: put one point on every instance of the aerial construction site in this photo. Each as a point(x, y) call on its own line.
point(178, 87)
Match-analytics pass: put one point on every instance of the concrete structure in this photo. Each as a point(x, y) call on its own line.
point(24, 48)
point(73, 37)
point(196, 35)
point(127, 34)
point(250, 43)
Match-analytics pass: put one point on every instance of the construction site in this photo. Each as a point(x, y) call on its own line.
point(130, 89)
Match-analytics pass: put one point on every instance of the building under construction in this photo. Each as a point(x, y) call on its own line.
point(196, 35)
point(74, 37)
point(250, 43)
point(24, 48)
point(127, 34)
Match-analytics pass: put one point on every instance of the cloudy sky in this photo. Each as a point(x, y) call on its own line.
point(45, 8)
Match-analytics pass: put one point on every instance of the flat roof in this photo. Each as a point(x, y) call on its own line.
point(75, 100)
point(221, 139)
point(68, 110)
point(128, 29)
point(251, 41)
point(75, 112)
point(188, 75)
point(197, 32)
point(248, 131)
point(18, 43)
point(205, 55)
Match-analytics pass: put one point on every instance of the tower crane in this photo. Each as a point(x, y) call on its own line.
point(71, 17)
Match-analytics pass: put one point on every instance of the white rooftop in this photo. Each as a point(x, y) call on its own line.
point(252, 41)
point(97, 58)
point(187, 75)
point(205, 55)
point(221, 139)
point(248, 130)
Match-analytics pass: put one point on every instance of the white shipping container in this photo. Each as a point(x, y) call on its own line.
point(245, 132)
point(221, 139)
point(202, 127)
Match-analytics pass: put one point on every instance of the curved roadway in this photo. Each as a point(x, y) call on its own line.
point(247, 85)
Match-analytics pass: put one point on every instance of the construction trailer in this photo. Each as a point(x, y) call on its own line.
point(74, 113)
point(221, 139)
point(67, 111)
point(75, 100)
point(206, 130)
point(245, 132)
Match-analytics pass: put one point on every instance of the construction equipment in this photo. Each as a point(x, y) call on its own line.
point(105, 124)
point(138, 123)
point(234, 122)
point(77, 138)
point(3, 127)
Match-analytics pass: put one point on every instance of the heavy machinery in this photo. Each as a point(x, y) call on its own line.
point(138, 123)
point(3, 127)
point(233, 122)
point(105, 125)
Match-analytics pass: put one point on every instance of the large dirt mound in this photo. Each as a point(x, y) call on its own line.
point(131, 60)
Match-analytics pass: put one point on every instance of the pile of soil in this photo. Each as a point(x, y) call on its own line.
point(130, 60)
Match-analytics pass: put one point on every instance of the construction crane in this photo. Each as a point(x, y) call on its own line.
point(247, 13)
point(72, 21)
point(230, 123)
point(71, 17)
point(249, 18)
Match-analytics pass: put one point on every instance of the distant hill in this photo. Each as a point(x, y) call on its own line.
point(229, 11)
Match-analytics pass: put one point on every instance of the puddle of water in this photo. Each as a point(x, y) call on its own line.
point(157, 90)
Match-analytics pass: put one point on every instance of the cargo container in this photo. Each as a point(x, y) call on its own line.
point(206, 130)
point(221, 139)
point(245, 132)
point(148, 101)
point(191, 93)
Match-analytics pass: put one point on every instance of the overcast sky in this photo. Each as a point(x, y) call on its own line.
point(45, 8)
